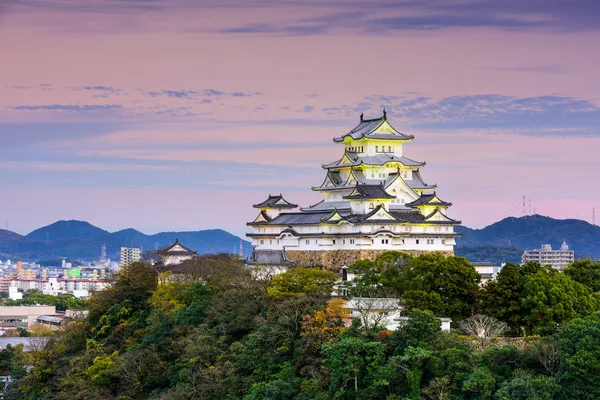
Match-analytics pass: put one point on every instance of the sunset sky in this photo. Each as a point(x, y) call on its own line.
point(180, 114)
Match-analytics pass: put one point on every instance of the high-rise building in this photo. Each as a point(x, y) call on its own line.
point(130, 255)
point(374, 200)
point(546, 256)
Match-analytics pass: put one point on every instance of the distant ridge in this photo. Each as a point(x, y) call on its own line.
point(82, 240)
point(67, 230)
point(529, 232)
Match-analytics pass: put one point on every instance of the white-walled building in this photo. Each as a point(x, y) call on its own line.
point(176, 253)
point(55, 286)
point(130, 255)
point(546, 256)
point(374, 200)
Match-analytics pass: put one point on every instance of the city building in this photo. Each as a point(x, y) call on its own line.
point(374, 200)
point(22, 316)
point(546, 256)
point(130, 255)
point(79, 287)
point(487, 270)
point(176, 253)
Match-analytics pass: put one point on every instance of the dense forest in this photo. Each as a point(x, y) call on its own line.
point(217, 330)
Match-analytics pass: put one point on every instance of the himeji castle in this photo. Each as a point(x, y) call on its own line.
point(374, 200)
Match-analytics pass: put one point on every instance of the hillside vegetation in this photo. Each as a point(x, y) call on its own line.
point(219, 332)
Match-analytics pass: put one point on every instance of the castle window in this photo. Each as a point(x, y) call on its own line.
point(344, 241)
point(390, 149)
point(307, 241)
point(417, 241)
point(333, 241)
point(262, 242)
point(270, 242)
point(371, 206)
point(376, 149)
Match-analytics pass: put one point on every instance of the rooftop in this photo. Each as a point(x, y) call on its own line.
point(378, 128)
point(275, 202)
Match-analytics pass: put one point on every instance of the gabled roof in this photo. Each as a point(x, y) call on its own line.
point(177, 249)
point(262, 218)
point(364, 192)
point(378, 128)
point(378, 214)
point(275, 202)
point(429, 200)
point(438, 216)
point(334, 217)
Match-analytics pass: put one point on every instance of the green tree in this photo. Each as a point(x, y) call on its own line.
point(297, 281)
point(585, 272)
point(503, 298)
point(479, 384)
point(552, 298)
point(421, 330)
point(353, 363)
point(579, 371)
point(454, 279)
point(524, 386)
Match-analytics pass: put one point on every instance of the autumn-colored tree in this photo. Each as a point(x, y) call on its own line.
point(324, 326)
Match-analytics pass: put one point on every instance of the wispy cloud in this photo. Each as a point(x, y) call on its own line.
point(71, 108)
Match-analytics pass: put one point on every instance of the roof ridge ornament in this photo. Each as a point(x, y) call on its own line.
point(362, 116)
point(384, 115)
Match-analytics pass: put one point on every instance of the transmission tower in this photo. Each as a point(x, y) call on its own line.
point(594, 216)
point(241, 249)
point(530, 206)
point(523, 210)
point(103, 253)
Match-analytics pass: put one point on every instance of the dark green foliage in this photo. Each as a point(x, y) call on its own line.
point(503, 298)
point(444, 285)
point(585, 272)
point(215, 333)
point(552, 298)
point(579, 372)
point(421, 330)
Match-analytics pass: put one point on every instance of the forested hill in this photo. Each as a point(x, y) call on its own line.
point(531, 231)
point(82, 240)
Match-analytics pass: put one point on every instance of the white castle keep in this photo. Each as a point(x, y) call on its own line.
point(374, 200)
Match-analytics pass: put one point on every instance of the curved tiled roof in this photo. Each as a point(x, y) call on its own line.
point(368, 192)
point(379, 159)
point(426, 198)
point(275, 202)
point(367, 128)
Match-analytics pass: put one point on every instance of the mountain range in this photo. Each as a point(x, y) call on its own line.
point(501, 241)
point(82, 240)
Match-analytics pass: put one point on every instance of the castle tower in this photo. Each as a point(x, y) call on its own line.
point(374, 200)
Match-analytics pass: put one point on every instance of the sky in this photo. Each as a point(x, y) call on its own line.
point(167, 115)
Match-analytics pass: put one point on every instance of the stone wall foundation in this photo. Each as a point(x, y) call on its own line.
point(332, 259)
